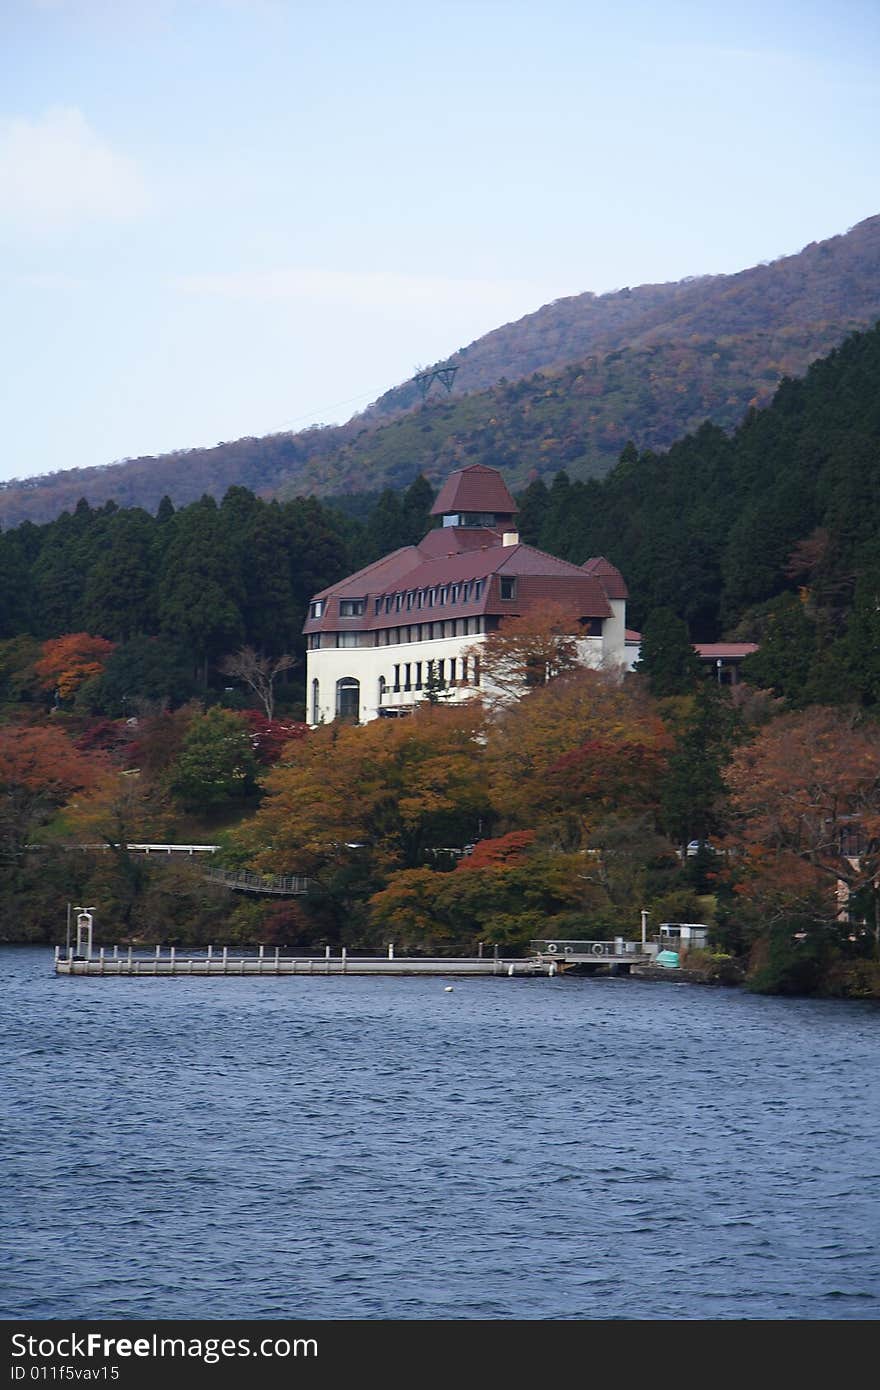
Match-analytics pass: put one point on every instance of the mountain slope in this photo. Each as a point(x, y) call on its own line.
point(834, 281)
point(648, 364)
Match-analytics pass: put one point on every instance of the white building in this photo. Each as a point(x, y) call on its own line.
point(411, 621)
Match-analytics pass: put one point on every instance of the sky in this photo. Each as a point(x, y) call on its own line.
point(222, 218)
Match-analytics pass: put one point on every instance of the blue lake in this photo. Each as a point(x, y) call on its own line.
point(384, 1149)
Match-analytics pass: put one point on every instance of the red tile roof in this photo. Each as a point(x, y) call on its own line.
point(609, 575)
point(474, 489)
point(461, 555)
point(730, 651)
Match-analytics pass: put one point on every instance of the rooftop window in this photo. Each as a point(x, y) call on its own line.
point(316, 609)
point(351, 607)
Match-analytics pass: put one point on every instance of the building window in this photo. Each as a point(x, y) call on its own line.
point(398, 602)
point(316, 609)
point(464, 674)
point(377, 606)
point(441, 671)
point(476, 670)
point(382, 689)
point(418, 675)
point(314, 641)
point(420, 598)
point(452, 670)
point(466, 592)
point(443, 594)
point(591, 627)
point(453, 593)
point(351, 607)
point(397, 679)
point(478, 590)
point(508, 587)
point(316, 702)
point(348, 639)
point(429, 597)
point(388, 602)
point(407, 676)
point(409, 599)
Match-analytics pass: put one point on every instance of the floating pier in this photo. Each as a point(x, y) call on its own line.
point(225, 960)
point(549, 957)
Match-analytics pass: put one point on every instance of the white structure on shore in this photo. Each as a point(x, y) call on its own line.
point(410, 622)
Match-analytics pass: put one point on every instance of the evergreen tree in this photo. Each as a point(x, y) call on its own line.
point(667, 656)
point(533, 505)
point(198, 598)
point(417, 502)
point(787, 652)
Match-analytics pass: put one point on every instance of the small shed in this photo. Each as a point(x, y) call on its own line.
point(690, 935)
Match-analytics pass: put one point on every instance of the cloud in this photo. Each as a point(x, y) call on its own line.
point(56, 169)
point(370, 290)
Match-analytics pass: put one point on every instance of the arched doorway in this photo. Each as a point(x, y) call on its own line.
point(348, 699)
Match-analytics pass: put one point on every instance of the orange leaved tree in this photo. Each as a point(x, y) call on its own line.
point(805, 796)
point(39, 769)
point(68, 661)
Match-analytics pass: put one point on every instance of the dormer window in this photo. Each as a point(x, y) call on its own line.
point(453, 594)
point(508, 587)
point(316, 609)
point(351, 607)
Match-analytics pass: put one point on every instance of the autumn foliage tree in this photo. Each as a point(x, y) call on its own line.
point(527, 651)
point(393, 789)
point(569, 753)
point(805, 797)
point(68, 661)
point(39, 769)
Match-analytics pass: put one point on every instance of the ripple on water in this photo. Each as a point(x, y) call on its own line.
point(378, 1149)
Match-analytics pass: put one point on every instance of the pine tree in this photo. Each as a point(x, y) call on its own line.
point(667, 656)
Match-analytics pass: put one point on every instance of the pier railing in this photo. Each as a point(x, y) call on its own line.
point(225, 960)
point(246, 881)
point(580, 952)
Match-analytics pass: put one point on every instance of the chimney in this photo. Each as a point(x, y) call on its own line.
point(510, 538)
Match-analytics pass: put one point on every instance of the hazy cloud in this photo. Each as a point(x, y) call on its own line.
point(57, 169)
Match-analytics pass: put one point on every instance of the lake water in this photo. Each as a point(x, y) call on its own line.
point(385, 1149)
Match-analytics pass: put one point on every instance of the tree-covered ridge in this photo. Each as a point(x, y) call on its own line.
point(579, 417)
point(136, 607)
point(733, 533)
point(563, 388)
point(832, 282)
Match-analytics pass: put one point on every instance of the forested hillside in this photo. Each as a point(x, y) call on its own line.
point(828, 284)
point(775, 529)
point(564, 388)
point(147, 693)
